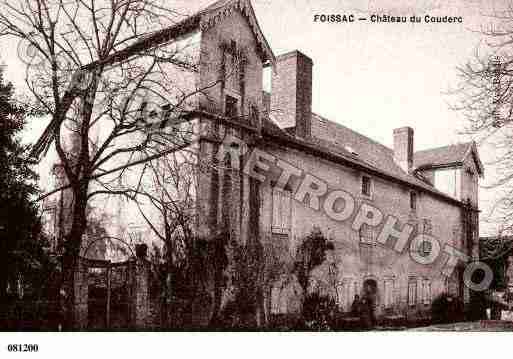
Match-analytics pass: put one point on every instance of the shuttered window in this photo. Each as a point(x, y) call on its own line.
point(282, 211)
point(413, 201)
point(348, 291)
point(366, 234)
point(389, 293)
point(426, 292)
point(366, 186)
point(412, 292)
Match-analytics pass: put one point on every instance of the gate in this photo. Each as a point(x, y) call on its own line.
point(109, 292)
point(112, 296)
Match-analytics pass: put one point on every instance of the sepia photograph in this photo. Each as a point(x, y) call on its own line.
point(254, 166)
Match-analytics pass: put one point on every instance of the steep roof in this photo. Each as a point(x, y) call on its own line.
point(447, 155)
point(441, 155)
point(363, 147)
point(203, 19)
point(220, 9)
point(337, 143)
point(332, 140)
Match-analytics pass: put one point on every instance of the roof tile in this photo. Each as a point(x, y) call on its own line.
point(442, 155)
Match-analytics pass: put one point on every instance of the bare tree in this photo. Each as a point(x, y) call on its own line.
point(167, 204)
point(484, 96)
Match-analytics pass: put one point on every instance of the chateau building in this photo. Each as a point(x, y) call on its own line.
point(276, 168)
point(435, 191)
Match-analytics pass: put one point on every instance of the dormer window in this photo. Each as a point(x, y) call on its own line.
point(350, 150)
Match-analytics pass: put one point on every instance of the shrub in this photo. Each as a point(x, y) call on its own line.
point(477, 307)
point(319, 312)
point(446, 308)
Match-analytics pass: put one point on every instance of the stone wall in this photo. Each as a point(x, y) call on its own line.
point(443, 220)
point(141, 294)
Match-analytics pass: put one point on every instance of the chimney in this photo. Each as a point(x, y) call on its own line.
point(403, 148)
point(291, 95)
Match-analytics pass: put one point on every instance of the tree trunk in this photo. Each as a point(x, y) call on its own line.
point(80, 189)
point(71, 255)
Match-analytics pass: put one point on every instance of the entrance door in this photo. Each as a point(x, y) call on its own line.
point(370, 292)
point(97, 298)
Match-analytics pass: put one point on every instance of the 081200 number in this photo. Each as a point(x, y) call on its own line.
point(22, 348)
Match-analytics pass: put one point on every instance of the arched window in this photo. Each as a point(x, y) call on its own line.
point(214, 193)
point(226, 198)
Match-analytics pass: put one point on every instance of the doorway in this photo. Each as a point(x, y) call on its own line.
point(370, 292)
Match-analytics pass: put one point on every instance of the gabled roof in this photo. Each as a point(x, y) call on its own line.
point(363, 147)
point(340, 144)
point(217, 11)
point(447, 155)
point(202, 20)
point(332, 140)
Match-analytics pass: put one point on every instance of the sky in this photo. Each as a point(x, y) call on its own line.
point(369, 77)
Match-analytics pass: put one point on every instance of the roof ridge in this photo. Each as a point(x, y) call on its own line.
point(355, 132)
point(468, 143)
point(403, 177)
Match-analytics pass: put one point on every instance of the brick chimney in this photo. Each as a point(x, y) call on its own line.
point(291, 94)
point(403, 148)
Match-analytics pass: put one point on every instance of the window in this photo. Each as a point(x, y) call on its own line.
point(231, 108)
point(427, 226)
point(366, 234)
point(50, 225)
point(142, 112)
point(254, 115)
point(281, 246)
point(233, 67)
point(282, 211)
point(425, 248)
point(413, 201)
point(349, 290)
point(412, 292)
point(426, 292)
point(341, 300)
point(366, 186)
point(226, 199)
point(389, 293)
point(166, 113)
